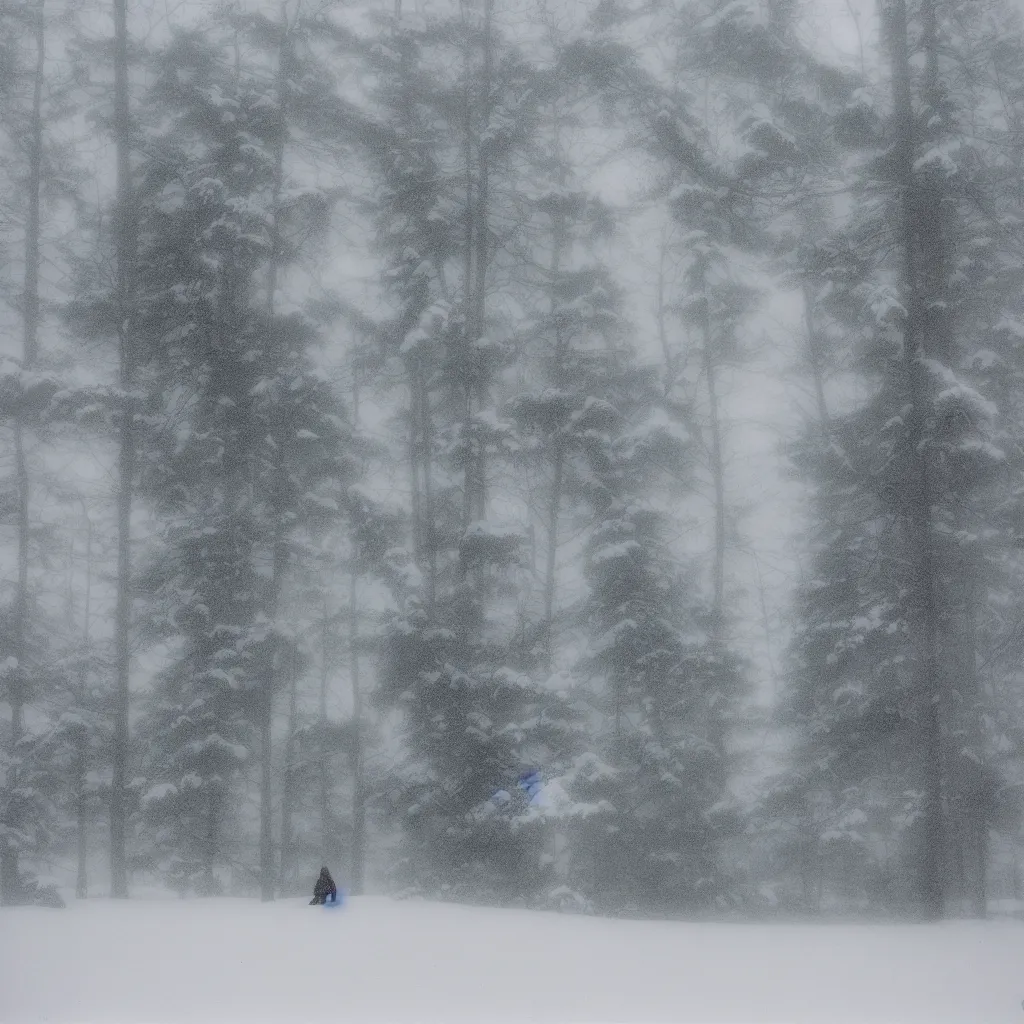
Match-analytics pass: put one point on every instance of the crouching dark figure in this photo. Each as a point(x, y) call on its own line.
point(324, 887)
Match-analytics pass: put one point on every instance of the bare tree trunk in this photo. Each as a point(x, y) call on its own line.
point(416, 370)
point(967, 777)
point(280, 568)
point(420, 455)
point(82, 745)
point(469, 360)
point(960, 714)
point(427, 508)
point(266, 787)
point(278, 485)
point(717, 470)
point(35, 176)
point(660, 315)
point(325, 766)
point(816, 359)
point(127, 252)
point(932, 222)
point(809, 844)
point(358, 858)
point(212, 840)
point(928, 683)
point(287, 866)
point(415, 455)
point(9, 864)
point(558, 452)
point(358, 864)
point(9, 868)
point(483, 245)
point(716, 723)
point(81, 820)
point(551, 559)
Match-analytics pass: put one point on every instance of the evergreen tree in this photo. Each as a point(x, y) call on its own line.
point(892, 784)
point(260, 431)
point(33, 102)
point(453, 660)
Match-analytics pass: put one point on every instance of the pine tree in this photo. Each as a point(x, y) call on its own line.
point(886, 671)
point(261, 430)
point(33, 103)
point(453, 661)
point(17, 674)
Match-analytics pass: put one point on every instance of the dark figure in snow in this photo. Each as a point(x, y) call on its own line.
point(324, 887)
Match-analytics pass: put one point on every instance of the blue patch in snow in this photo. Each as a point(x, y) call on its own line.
point(530, 783)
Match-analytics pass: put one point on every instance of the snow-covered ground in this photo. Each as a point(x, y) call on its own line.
point(232, 960)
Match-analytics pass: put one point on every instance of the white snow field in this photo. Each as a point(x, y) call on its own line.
point(233, 960)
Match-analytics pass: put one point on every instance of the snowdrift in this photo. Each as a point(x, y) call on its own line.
point(233, 960)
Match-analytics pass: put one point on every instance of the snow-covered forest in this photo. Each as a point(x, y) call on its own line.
point(397, 400)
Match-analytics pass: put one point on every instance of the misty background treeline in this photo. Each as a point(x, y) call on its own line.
point(368, 398)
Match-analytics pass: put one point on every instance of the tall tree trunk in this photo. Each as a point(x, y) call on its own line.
point(558, 451)
point(419, 407)
point(210, 847)
point(932, 220)
point(286, 871)
point(717, 729)
point(82, 743)
point(809, 843)
point(660, 315)
point(358, 859)
point(325, 761)
point(358, 856)
point(427, 508)
point(716, 723)
point(9, 865)
point(960, 714)
point(483, 246)
point(81, 817)
point(266, 784)
point(9, 859)
point(469, 368)
point(969, 797)
point(816, 359)
point(415, 454)
point(126, 242)
point(717, 470)
point(928, 685)
point(278, 484)
point(280, 568)
point(420, 454)
point(551, 556)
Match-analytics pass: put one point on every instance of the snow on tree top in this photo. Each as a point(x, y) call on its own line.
point(1010, 326)
point(510, 677)
point(610, 552)
point(320, 501)
point(938, 158)
point(982, 447)
point(483, 528)
point(956, 393)
point(740, 11)
point(413, 340)
point(161, 791)
point(884, 302)
point(861, 97)
point(985, 359)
